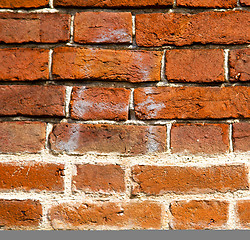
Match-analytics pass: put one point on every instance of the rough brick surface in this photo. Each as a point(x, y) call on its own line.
point(180, 29)
point(23, 3)
point(200, 138)
point(104, 178)
point(105, 138)
point(31, 176)
point(24, 64)
point(245, 2)
point(207, 3)
point(110, 215)
point(103, 27)
point(20, 214)
point(153, 180)
point(107, 64)
point(22, 137)
point(199, 65)
point(192, 102)
point(199, 214)
point(241, 136)
point(113, 3)
point(239, 61)
point(31, 27)
point(242, 211)
point(32, 100)
point(94, 103)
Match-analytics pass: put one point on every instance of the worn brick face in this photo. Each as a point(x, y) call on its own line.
point(104, 178)
point(24, 64)
point(107, 64)
point(207, 3)
point(23, 3)
point(103, 138)
point(109, 215)
point(153, 180)
point(22, 137)
point(16, 214)
point(95, 103)
point(245, 2)
point(199, 214)
point(103, 27)
point(242, 211)
point(158, 29)
point(31, 27)
point(192, 102)
point(241, 136)
point(197, 65)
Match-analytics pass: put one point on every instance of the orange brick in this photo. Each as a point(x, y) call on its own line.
point(207, 3)
point(243, 213)
point(23, 3)
point(241, 136)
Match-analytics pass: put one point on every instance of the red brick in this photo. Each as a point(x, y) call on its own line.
point(24, 64)
point(200, 138)
point(241, 136)
point(245, 2)
point(103, 27)
point(18, 214)
point(94, 103)
point(243, 213)
point(199, 65)
point(109, 215)
point(22, 137)
point(158, 29)
point(31, 27)
point(239, 61)
point(199, 214)
point(158, 180)
point(31, 176)
point(103, 138)
point(94, 178)
point(192, 102)
point(107, 64)
point(32, 100)
point(23, 3)
point(207, 3)
point(113, 3)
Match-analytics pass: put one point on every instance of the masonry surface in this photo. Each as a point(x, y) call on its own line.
point(122, 114)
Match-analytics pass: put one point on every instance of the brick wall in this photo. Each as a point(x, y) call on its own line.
point(122, 114)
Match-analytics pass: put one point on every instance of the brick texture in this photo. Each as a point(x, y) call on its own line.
point(103, 27)
point(242, 211)
point(31, 27)
point(192, 102)
point(245, 2)
point(110, 215)
point(23, 3)
point(199, 214)
point(207, 3)
point(18, 214)
point(153, 180)
point(107, 64)
point(158, 29)
point(241, 136)
point(22, 137)
point(103, 138)
point(94, 103)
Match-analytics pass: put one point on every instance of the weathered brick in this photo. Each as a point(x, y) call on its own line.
point(200, 138)
point(94, 103)
point(241, 136)
point(239, 62)
point(31, 176)
point(107, 64)
point(192, 102)
point(113, 3)
point(245, 2)
point(158, 29)
point(22, 137)
point(199, 214)
point(24, 64)
point(103, 138)
point(32, 100)
point(158, 180)
point(103, 27)
point(243, 213)
point(96, 178)
point(23, 3)
point(31, 27)
point(109, 215)
point(207, 3)
point(20, 214)
point(195, 65)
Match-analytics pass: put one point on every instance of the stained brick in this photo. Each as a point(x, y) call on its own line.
point(241, 136)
